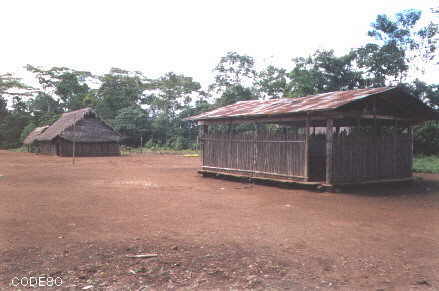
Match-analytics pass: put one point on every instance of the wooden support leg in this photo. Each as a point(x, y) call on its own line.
point(329, 150)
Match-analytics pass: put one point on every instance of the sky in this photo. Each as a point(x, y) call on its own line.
point(184, 36)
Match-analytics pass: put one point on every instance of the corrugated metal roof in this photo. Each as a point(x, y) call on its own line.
point(320, 102)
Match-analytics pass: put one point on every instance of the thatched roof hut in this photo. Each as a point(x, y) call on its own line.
point(81, 131)
point(89, 128)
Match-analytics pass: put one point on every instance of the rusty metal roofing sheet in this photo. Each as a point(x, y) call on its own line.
point(320, 102)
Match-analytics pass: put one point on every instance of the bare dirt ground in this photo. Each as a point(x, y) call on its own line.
point(80, 222)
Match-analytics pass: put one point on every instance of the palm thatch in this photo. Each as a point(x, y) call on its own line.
point(34, 134)
point(82, 125)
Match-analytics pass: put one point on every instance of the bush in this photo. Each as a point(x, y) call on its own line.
point(179, 143)
point(150, 143)
point(426, 164)
point(426, 139)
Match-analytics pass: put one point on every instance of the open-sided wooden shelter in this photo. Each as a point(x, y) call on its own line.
point(80, 132)
point(343, 137)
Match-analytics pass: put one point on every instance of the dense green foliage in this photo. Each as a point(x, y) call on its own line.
point(151, 110)
point(426, 139)
point(426, 164)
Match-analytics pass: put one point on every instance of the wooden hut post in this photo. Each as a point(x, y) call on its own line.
point(74, 143)
point(329, 150)
point(306, 168)
point(204, 130)
point(255, 148)
point(410, 132)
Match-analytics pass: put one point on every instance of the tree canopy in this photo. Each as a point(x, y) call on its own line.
point(152, 109)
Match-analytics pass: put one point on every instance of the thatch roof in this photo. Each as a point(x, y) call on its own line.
point(82, 125)
point(33, 135)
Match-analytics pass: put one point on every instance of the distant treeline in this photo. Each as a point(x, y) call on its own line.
point(153, 108)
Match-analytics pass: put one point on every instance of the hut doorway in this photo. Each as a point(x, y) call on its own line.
point(317, 157)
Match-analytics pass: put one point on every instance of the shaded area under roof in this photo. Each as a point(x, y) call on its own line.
point(322, 102)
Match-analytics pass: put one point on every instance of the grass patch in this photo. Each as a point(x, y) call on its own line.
point(426, 164)
point(18, 150)
point(159, 150)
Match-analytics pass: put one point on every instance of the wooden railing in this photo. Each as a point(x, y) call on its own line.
point(262, 154)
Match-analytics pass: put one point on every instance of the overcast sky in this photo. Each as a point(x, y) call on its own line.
point(185, 36)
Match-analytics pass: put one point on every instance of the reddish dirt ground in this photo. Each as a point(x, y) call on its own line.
point(80, 222)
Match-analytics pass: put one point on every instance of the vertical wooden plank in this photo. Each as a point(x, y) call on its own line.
point(306, 160)
point(329, 149)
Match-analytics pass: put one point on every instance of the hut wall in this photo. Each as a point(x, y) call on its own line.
point(265, 154)
point(366, 158)
point(46, 148)
point(89, 149)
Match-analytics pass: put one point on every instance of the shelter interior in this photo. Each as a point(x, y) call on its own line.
point(332, 151)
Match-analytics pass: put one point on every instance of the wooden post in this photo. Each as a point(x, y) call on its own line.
point(255, 148)
point(204, 131)
point(410, 132)
point(74, 144)
point(395, 152)
point(306, 163)
point(375, 139)
point(329, 150)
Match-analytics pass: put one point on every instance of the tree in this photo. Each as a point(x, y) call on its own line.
point(27, 130)
point(43, 102)
point(324, 72)
point(381, 65)
point(403, 37)
point(171, 93)
point(429, 94)
point(12, 120)
point(272, 82)
point(119, 89)
point(400, 45)
point(10, 85)
point(235, 79)
point(132, 122)
point(166, 98)
point(67, 86)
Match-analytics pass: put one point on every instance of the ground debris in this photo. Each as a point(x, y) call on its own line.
point(142, 256)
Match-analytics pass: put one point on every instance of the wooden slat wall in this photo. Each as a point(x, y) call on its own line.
point(46, 148)
point(89, 149)
point(277, 153)
point(362, 158)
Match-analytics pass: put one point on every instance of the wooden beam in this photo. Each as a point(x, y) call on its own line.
point(273, 119)
point(251, 172)
point(329, 150)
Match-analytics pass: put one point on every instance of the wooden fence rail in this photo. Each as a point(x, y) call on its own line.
point(263, 154)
